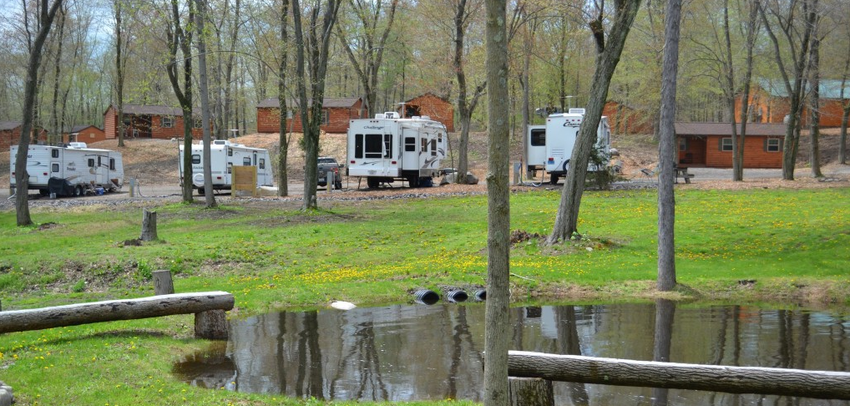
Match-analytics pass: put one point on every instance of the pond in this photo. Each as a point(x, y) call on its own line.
point(417, 352)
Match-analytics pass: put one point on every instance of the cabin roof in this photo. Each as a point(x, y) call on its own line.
point(344, 102)
point(725, 129)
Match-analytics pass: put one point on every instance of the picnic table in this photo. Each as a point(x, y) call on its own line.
point(682, 172)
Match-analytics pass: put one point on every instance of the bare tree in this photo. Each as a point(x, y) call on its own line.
point(608, 55)
point(498, 214)
point(283, 139)
point(178, 38)
point(842, 139)
point(205, 100)
point(45, 20)
point(316, 45)
point(121, 41)
point(370, 40)
point(465, 104)
point(798, 41)
point(667, 150)
point(56, 126)
point(814, 100)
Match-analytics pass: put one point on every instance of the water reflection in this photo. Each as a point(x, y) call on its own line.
point(401, 353)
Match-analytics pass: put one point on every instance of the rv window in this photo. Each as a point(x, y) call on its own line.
point(230, 167)
point(196, 159)
point(388, 143)
point(424, 145)
point(433, 147)
point(255, 158)
point(91, 162)
point(538, 137)
point(230, 152)
point(246, 161)
point(373, 147)
point(358, 145)
point(111, 164)
point(55, 168)
point(262, 163)
point(409, 144)
point(99, 162)
point(54, 153)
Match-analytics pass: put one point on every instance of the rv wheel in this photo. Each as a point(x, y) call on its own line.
point(338, 185)
point(78, 191)
point(372, 183)
point(201, 191)
point(553, 179)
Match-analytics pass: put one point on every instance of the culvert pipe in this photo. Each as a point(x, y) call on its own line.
point(480, 295)
point(456, 296)
point(426, 297)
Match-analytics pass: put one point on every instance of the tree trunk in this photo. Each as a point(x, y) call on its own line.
point(752, 34)
point(531, 392)
point(664, 312)
point(163, 284)
point(608, 56)
point(667, 150)
point(283, 138)
point(177, 37)
point(112, 310)
point(56, 133)
point(205, 101)
point(119, 70)
point(715, 378)
point(814, 125)
point(496, 343)
point(22, 209)
point(211, 325)
point(149, 226)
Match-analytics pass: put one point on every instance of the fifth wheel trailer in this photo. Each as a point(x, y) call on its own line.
point(224, 155)
point(72, 170)
point(388, 148)
point(560, 138)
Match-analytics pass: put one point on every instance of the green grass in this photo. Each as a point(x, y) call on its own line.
point(795, 243)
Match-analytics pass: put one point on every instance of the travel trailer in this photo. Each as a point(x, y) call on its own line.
point(535, 149)
point(72, 170)
point(224, 155)
point(560, 138)
point(389, 148)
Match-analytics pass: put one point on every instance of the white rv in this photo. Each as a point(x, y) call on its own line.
point(535, 148)
point(388, 148)
point(561, 133)
point(224, 155)
point(74, 170)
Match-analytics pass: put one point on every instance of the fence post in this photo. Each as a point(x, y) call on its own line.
point(162, 283)
point(530, 392)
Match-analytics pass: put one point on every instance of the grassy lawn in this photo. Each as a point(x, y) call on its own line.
point(794, 243)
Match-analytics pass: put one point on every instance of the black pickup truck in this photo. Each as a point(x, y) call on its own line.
point(327, 164)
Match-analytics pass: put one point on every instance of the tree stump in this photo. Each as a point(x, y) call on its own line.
point(211, 325)
point(530, 392)
point(162, 283)
point(149, 226)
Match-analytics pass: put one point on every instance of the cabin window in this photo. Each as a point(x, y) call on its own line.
point(54, 167)
point(197, 122)
point(773, 145)
point(196, 159)
point(326, 117)
point(167, 122)
point(91, 162)
point(111, 164)
point(54, 153)
point(410, 144)
point(726, 144)
point(538, 137)
point(262, 163)
point(433, 147)
point(246, 161)
point(683, 144)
